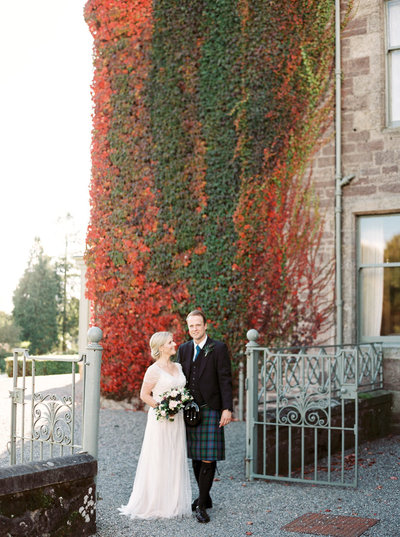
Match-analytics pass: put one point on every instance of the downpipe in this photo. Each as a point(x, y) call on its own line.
point(340, 181)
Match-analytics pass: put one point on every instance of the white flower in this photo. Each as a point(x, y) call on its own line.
point(174, 393)
point(163, 413)
point(173, 404)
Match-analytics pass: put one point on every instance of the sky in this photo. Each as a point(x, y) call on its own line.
point(45, 132)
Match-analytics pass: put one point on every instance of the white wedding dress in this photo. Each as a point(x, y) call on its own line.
point(162, 483)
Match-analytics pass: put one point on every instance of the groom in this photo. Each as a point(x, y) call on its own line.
point(207, 367)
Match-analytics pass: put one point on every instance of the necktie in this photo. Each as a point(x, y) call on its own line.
point(196, 353)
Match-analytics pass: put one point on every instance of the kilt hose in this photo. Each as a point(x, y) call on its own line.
point(206, 441)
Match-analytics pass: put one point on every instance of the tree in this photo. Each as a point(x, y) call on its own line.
point(69, 305)
point(9, 332)
point(9, 337)
point(68, 317)
point(72, 323)
point(36, 302)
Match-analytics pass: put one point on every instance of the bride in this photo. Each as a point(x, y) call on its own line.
point(162, 484)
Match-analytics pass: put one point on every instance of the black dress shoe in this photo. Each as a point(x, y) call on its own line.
point(201, 515)
point(195, 503)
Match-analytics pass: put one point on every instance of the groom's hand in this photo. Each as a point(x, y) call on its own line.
point(226, 417)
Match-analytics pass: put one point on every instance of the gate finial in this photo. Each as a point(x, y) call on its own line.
point(252, 336)
point(94, 336)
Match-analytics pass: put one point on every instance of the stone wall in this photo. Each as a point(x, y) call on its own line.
point(370, 151)
point(391, 376)
point(52, 498)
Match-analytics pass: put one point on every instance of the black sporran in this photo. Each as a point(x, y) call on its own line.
point(191, 414)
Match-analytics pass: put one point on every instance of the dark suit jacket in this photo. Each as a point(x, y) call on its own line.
point(215, 375)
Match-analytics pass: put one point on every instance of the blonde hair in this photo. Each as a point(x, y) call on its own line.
point(157, 340)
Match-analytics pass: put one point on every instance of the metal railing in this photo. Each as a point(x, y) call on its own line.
point(51, 420)
point(52, 425)
point(328, 367)
point(302, 408)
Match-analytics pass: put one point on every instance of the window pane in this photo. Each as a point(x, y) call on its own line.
point(391, 302)
point(371, 281)
point(394, 23)
point(395, 85)
point(380, 299)
point(379, 239)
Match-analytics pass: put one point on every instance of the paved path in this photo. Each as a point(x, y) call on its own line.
point(259, 508)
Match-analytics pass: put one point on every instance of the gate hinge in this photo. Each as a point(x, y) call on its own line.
point(17, 395)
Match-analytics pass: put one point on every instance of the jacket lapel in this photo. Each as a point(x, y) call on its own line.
point(187, 358)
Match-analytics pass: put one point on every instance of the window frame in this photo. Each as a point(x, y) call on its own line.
point(389, 54)
point(360, 337)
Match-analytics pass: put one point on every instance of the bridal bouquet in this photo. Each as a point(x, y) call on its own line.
point(172, 402)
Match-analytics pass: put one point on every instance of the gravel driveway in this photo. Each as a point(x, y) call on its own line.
point(258, 508)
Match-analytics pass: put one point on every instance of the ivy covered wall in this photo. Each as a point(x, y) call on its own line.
point(206, 114)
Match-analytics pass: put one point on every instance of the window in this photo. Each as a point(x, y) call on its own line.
point(393, 62)
point(379, 277)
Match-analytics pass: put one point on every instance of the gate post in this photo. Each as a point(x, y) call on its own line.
point(241, 391)
point(92, 392)
point(251, 400)
point(13, 448)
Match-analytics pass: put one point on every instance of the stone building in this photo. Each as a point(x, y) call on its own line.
point(357, 178)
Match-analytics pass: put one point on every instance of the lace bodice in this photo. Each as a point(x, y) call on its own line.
point(163, 380)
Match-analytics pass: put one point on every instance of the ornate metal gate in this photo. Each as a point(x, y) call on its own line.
point(302, 410)
point(46, 424)
point(47, 428)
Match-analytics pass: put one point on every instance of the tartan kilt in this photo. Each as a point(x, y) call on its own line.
point(206, 441)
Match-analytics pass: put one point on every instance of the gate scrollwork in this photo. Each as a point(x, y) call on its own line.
point(52, 419)
point(307, 409)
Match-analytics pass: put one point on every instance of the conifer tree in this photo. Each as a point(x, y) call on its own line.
point(36, 302)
